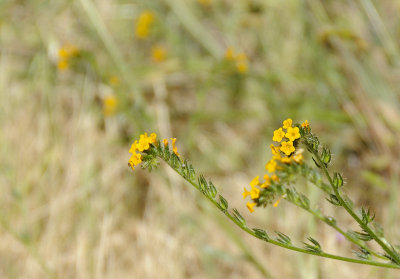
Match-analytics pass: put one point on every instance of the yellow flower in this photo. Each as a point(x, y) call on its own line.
point(286, 160)
point(245, 193)
point(275, 178)
point(153, 138)
point(62, 64)
point(267, 181)
point(165, 141)
point(250, 206)
point(298, 158)
point(67, 51)
point(277, 202)
point(158, 53)
point(275, 151)
point(241, 63)
point(271, 166)
point(174, 149)
point(287, 123)
point(109, 105)
point(278, 135)
point(287, 147)
point(255, 181)
point(292, 133)
point(134, 147)
point(135, 160)
point(305, 124)
point(143, 24)
point(254, 193)
point(230, 53)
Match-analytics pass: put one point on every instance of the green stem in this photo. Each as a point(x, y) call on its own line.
point(339, 230)
point(364, 226)
point(277, 243)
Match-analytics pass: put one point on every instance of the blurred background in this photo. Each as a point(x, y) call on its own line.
point(80, 80)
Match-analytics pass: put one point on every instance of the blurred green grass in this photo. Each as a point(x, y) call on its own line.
point(71, 207)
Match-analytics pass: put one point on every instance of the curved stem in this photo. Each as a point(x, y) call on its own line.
point(339, 230)
point(364, 226)
point(277, 243)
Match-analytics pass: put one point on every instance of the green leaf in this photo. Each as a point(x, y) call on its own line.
point(223, 203)
point(262, 234)
point(333, 200)
point(283, 238)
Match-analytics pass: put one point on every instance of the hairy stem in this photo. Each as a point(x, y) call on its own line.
point(345, 205)
point(275, 242)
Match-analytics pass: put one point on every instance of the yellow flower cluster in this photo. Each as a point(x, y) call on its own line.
point(143, 24)
point(240, 59)
point(140, 145)
point(284, 153)
point(64, 55)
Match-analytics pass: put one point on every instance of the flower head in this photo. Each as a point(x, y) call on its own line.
point(245, 193)
point(143, 24)
point(305, 124)
point(275, 152)
point(255, 181)
point(271, 166)
point(165, 141)
point(158, 53)
point(286, 160)
point(267, 181)
point(250, 206)
point(278, 135)
point(140, 145)
point(287, 147)
point(287, 123)
point(293, 133)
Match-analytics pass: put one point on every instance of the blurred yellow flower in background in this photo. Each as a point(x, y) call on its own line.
point(158, 53)
point(143, 24)
point(110, 105)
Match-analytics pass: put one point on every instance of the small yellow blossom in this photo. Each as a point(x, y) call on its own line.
point(287, 123)
point(241, 63)
point(174, 148)
point(298, 158)
point(305, 124)
point(275, 178)
point(254, 193)
point(278, 135)
point(158, 53)
point(143, 24)
point(293, 133)
point(230, 53)
point(275, 151)
point(267, 181)
point(255, 181)
point(250, 206)
point(271, 166)
point(134, 146)
point(62, 64)
point(64, 54)
point(286, 160)
point(287, 147)
point(153, 138)
point(165, 141)
point(135, 159)
point(277, 202)
point(109, 105)
point(245, 193)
